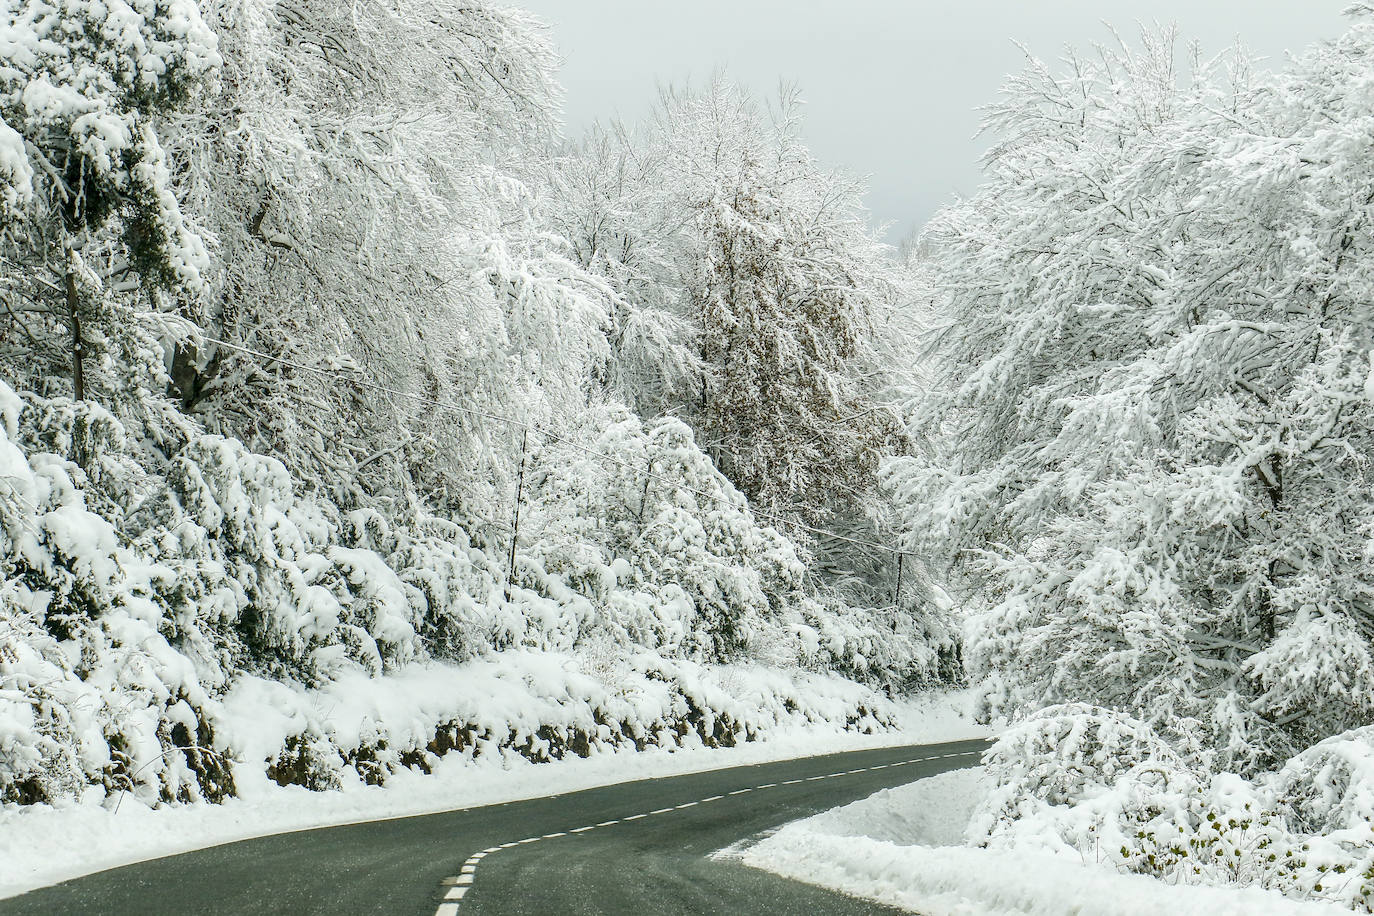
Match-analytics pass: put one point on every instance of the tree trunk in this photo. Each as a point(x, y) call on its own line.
point(515, 527)
point(78, 345)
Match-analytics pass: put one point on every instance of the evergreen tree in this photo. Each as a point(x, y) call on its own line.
point(91, 215)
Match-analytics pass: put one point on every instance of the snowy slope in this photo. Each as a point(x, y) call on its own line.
point(903, 847)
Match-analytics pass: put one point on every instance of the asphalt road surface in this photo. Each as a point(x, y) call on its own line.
point(634, 848)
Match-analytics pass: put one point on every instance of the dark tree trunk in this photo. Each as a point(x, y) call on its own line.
point(78, 344)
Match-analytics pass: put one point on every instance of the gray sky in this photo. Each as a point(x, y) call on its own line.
point(890, 84)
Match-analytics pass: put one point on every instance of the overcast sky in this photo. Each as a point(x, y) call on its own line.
point(891, 85)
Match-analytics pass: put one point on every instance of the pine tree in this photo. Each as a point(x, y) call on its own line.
point(92, 213)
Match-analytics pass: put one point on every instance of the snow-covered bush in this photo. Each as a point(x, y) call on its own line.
point(660, 550)
point(147, 603)
point(643, 522)
point(91, 691)
point(1098, 784)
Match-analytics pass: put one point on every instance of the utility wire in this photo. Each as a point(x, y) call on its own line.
point(351, 376)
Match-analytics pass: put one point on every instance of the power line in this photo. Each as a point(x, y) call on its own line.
point(351, 377)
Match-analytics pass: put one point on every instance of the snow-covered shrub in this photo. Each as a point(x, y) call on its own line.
point(153, 610)
point(629, 523)
point(1329, 788)
point(1098, 784)
point(677, 557)
point(528, 704)
point(889, 647)
point(462, 609)
point(91, 691)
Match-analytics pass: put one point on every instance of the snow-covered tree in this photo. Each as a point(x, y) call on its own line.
point(1150, 447)
point(611, 198)
point(93, 236)
point(347, 175)
point(783, 277)
point(752, 301)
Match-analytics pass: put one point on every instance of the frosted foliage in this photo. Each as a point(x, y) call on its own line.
point(663, 552)
point(747, 282)
point(1101, 785)
point(81, 81)
point(1149, 463)
point(681, 571)
point(1154, 420)
point(346, 174)
point(750, 298)
point(283, 285)
point(91, 692)
point(137, 593)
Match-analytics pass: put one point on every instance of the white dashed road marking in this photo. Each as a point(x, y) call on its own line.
point(459, 884)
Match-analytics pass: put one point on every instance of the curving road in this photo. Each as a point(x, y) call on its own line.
point(634, 848)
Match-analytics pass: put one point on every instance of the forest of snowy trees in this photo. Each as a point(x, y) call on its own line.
point(326, 359)
point(1147, 468)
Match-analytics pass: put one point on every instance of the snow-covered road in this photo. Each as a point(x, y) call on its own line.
point(647, 852)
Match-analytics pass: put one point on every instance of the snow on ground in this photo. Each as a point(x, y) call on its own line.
point(902, 847)
point(41, 845)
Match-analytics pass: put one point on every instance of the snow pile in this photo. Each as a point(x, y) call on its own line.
point(538, 706)
point(903, 847)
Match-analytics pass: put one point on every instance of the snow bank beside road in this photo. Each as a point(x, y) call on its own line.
point(901, 847)
point(41, 845)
